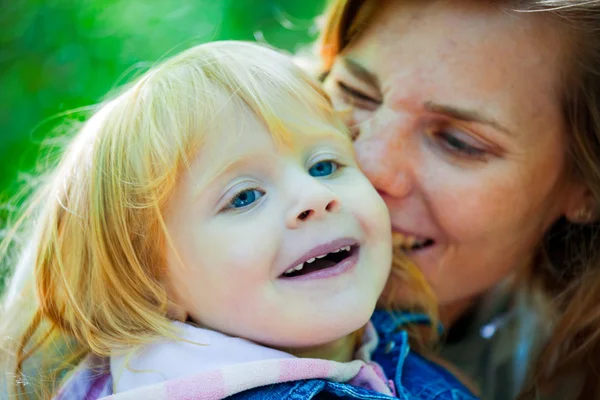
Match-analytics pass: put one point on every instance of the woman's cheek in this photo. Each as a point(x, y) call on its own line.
point(469, 209)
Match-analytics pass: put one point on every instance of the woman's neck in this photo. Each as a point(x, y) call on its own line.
point(486, 303)
point(341, 350)
point(452, 312)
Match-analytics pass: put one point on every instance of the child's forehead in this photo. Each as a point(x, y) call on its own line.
point(290, 128)
point(243, 139)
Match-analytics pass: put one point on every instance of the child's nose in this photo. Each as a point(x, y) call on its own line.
point(314, 203)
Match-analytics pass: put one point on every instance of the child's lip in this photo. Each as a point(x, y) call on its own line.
point(320, 250)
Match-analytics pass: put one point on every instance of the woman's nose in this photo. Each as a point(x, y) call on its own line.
point(385, 163)
point(315, 201)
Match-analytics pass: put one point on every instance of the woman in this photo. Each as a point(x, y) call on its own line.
point(479, 124)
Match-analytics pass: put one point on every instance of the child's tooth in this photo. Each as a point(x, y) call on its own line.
point(311, 260)
point(347, 248)
point(289, 271)
point(324, 255)
point(336, 251)
point(297, 267)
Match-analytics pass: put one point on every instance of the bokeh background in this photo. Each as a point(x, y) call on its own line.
point(57, 56)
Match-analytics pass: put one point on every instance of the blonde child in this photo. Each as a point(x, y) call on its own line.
point(206, 234)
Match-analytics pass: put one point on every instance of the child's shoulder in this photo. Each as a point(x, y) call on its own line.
point(90, 380)
point(211, 365)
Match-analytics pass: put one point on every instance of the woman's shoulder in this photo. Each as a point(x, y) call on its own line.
point(498, 344)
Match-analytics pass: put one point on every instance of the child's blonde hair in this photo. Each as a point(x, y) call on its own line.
point(92, 271)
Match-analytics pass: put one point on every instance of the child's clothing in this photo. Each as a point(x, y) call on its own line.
point(211, 365)
point(217, 366)
point(413, 375)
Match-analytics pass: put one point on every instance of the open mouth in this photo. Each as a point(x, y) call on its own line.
point(410, 243)
point(321, 262)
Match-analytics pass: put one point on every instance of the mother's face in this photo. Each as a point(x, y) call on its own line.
point(457, 110)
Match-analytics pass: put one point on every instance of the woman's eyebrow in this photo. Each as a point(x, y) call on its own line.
point(360, 72)
point(466, 115)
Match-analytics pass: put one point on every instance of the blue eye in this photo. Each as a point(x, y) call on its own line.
point(245, 198)
point(323, 168)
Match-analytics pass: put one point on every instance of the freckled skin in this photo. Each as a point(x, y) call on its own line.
point(486, 215)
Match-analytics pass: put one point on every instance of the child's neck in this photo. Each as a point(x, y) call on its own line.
point(341, 349)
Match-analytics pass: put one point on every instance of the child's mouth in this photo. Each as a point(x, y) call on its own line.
point(322, 262)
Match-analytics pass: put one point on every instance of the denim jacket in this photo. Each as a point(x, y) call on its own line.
point(414, 376)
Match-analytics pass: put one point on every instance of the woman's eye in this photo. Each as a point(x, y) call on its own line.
point(245, 198)
point(461, 147)
point(354, 131)
point(323, 168)
point(357, 98)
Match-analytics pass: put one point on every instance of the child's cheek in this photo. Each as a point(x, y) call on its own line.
point(248, 258)
point(370, 210)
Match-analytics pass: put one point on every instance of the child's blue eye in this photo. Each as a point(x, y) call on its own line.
point(245, 198)
point(323, 168)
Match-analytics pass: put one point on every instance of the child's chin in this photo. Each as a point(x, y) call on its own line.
point(319, 335)
point(320, 326)
point(333, 330)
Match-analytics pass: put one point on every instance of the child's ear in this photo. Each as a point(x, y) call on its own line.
point(581, 206)
point(176, 312)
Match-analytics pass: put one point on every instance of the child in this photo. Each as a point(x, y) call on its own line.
point(215, 199)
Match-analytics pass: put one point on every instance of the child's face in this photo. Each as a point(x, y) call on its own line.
point(248, 211)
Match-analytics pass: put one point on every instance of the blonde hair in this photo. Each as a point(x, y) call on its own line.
point(91, 274)
point(567, 265)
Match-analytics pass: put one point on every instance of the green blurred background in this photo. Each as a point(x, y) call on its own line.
point(59, 55)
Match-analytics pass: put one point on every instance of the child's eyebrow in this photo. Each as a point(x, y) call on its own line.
point(240, 163)
point(335, 134)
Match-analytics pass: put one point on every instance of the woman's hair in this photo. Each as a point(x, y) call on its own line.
point(567, 266)
point(89, 279)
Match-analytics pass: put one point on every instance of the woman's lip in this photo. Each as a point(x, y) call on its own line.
point(411, 234)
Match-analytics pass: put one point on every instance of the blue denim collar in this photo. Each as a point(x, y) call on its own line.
point(415, 377)
point(387, 322)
